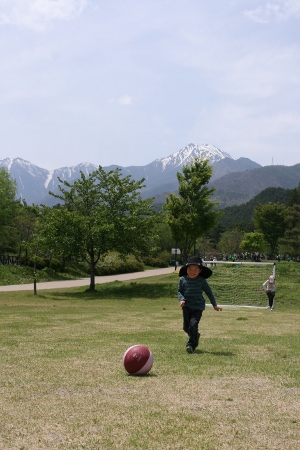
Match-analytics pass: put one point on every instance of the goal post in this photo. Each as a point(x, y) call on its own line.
point(240, 283)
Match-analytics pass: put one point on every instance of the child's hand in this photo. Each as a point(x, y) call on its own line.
point(218, 308)
point(182, 303)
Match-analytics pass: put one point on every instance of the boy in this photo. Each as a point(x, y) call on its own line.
point(191, 284)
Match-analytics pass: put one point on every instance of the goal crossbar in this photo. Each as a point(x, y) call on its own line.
point(240, 263)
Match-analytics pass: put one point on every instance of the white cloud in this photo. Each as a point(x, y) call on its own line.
point(277, 10)
point(125, 100)
point(36, 13)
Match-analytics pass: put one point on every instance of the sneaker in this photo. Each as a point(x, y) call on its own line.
point(189, 349)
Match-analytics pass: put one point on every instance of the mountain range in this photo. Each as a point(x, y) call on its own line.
point(235, 181)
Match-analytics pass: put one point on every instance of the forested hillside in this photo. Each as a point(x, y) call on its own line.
point(241, 215)
point(240, 187)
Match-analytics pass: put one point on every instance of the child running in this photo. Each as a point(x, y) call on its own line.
point(192, 283)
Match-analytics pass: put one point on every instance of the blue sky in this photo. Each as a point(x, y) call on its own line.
point(130, 81)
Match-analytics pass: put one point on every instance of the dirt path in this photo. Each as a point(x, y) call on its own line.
point(86, 281)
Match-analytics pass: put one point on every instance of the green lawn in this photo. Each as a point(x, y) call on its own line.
point(63, 385)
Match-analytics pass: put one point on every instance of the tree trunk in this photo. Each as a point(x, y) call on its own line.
point(92, 275)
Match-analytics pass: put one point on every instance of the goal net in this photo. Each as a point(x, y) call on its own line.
point(240, 283)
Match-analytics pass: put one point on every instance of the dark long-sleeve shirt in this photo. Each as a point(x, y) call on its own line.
point(191, 290)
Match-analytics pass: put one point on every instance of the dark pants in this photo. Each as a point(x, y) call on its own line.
point(191, 319)
point(271, 296)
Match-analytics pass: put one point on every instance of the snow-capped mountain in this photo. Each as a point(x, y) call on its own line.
point(34, 183)
point(163, 171)
point(190, 152)
point(30, 179)
point(68, 173)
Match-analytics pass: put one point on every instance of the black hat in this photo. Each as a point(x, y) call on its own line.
point(205, 271)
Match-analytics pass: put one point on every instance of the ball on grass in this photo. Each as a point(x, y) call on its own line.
point(138, 360)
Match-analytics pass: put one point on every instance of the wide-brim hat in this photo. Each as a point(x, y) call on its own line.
point(195, 260)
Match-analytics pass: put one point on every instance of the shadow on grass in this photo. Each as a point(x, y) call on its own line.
point(136, 375)
point(228, 354)
point(121, 291)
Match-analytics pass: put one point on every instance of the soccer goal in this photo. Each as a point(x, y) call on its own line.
point(240, 283)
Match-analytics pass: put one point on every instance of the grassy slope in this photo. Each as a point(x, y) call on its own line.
point(24, 274)
point(63, 385)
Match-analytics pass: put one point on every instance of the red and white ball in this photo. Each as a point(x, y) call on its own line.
point(138, 360)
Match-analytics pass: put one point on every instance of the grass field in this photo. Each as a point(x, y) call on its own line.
point(63, 385)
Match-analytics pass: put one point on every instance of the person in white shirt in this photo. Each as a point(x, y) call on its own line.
point(270, 287)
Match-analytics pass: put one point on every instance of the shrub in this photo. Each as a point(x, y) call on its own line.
point(155, 262)
point(56, 265)
point(42, 263)
point(38, 263)
point(46, 272)
point(115, 263)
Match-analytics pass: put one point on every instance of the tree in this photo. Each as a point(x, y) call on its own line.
point(253, 242)
point(58, 233)
point(230, 241)
point(290, 243)
point(190, 214)
point(294, 197)
point(101, 212)
point(25, 228)
point(163, 241)
point(270, 220)
point(204, 246)
point(8, 210)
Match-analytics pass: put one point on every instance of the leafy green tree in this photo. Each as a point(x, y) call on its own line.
point(25, 228)
point(215, 234)
point(204, 246)
point(58, 233)
point(270, 220)
point(253, 242)
point(230, 241)
point(290, 243)
point(191, 214)
point(9, 207)
point(294, 197)
point(162, 237)
point(101, 212)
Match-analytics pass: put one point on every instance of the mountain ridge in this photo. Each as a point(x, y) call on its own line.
point(240, 187)
point(34, 183)
point(232, 179)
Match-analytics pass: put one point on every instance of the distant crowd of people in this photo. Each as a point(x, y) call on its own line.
point(287, 258)
point(256, 257)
